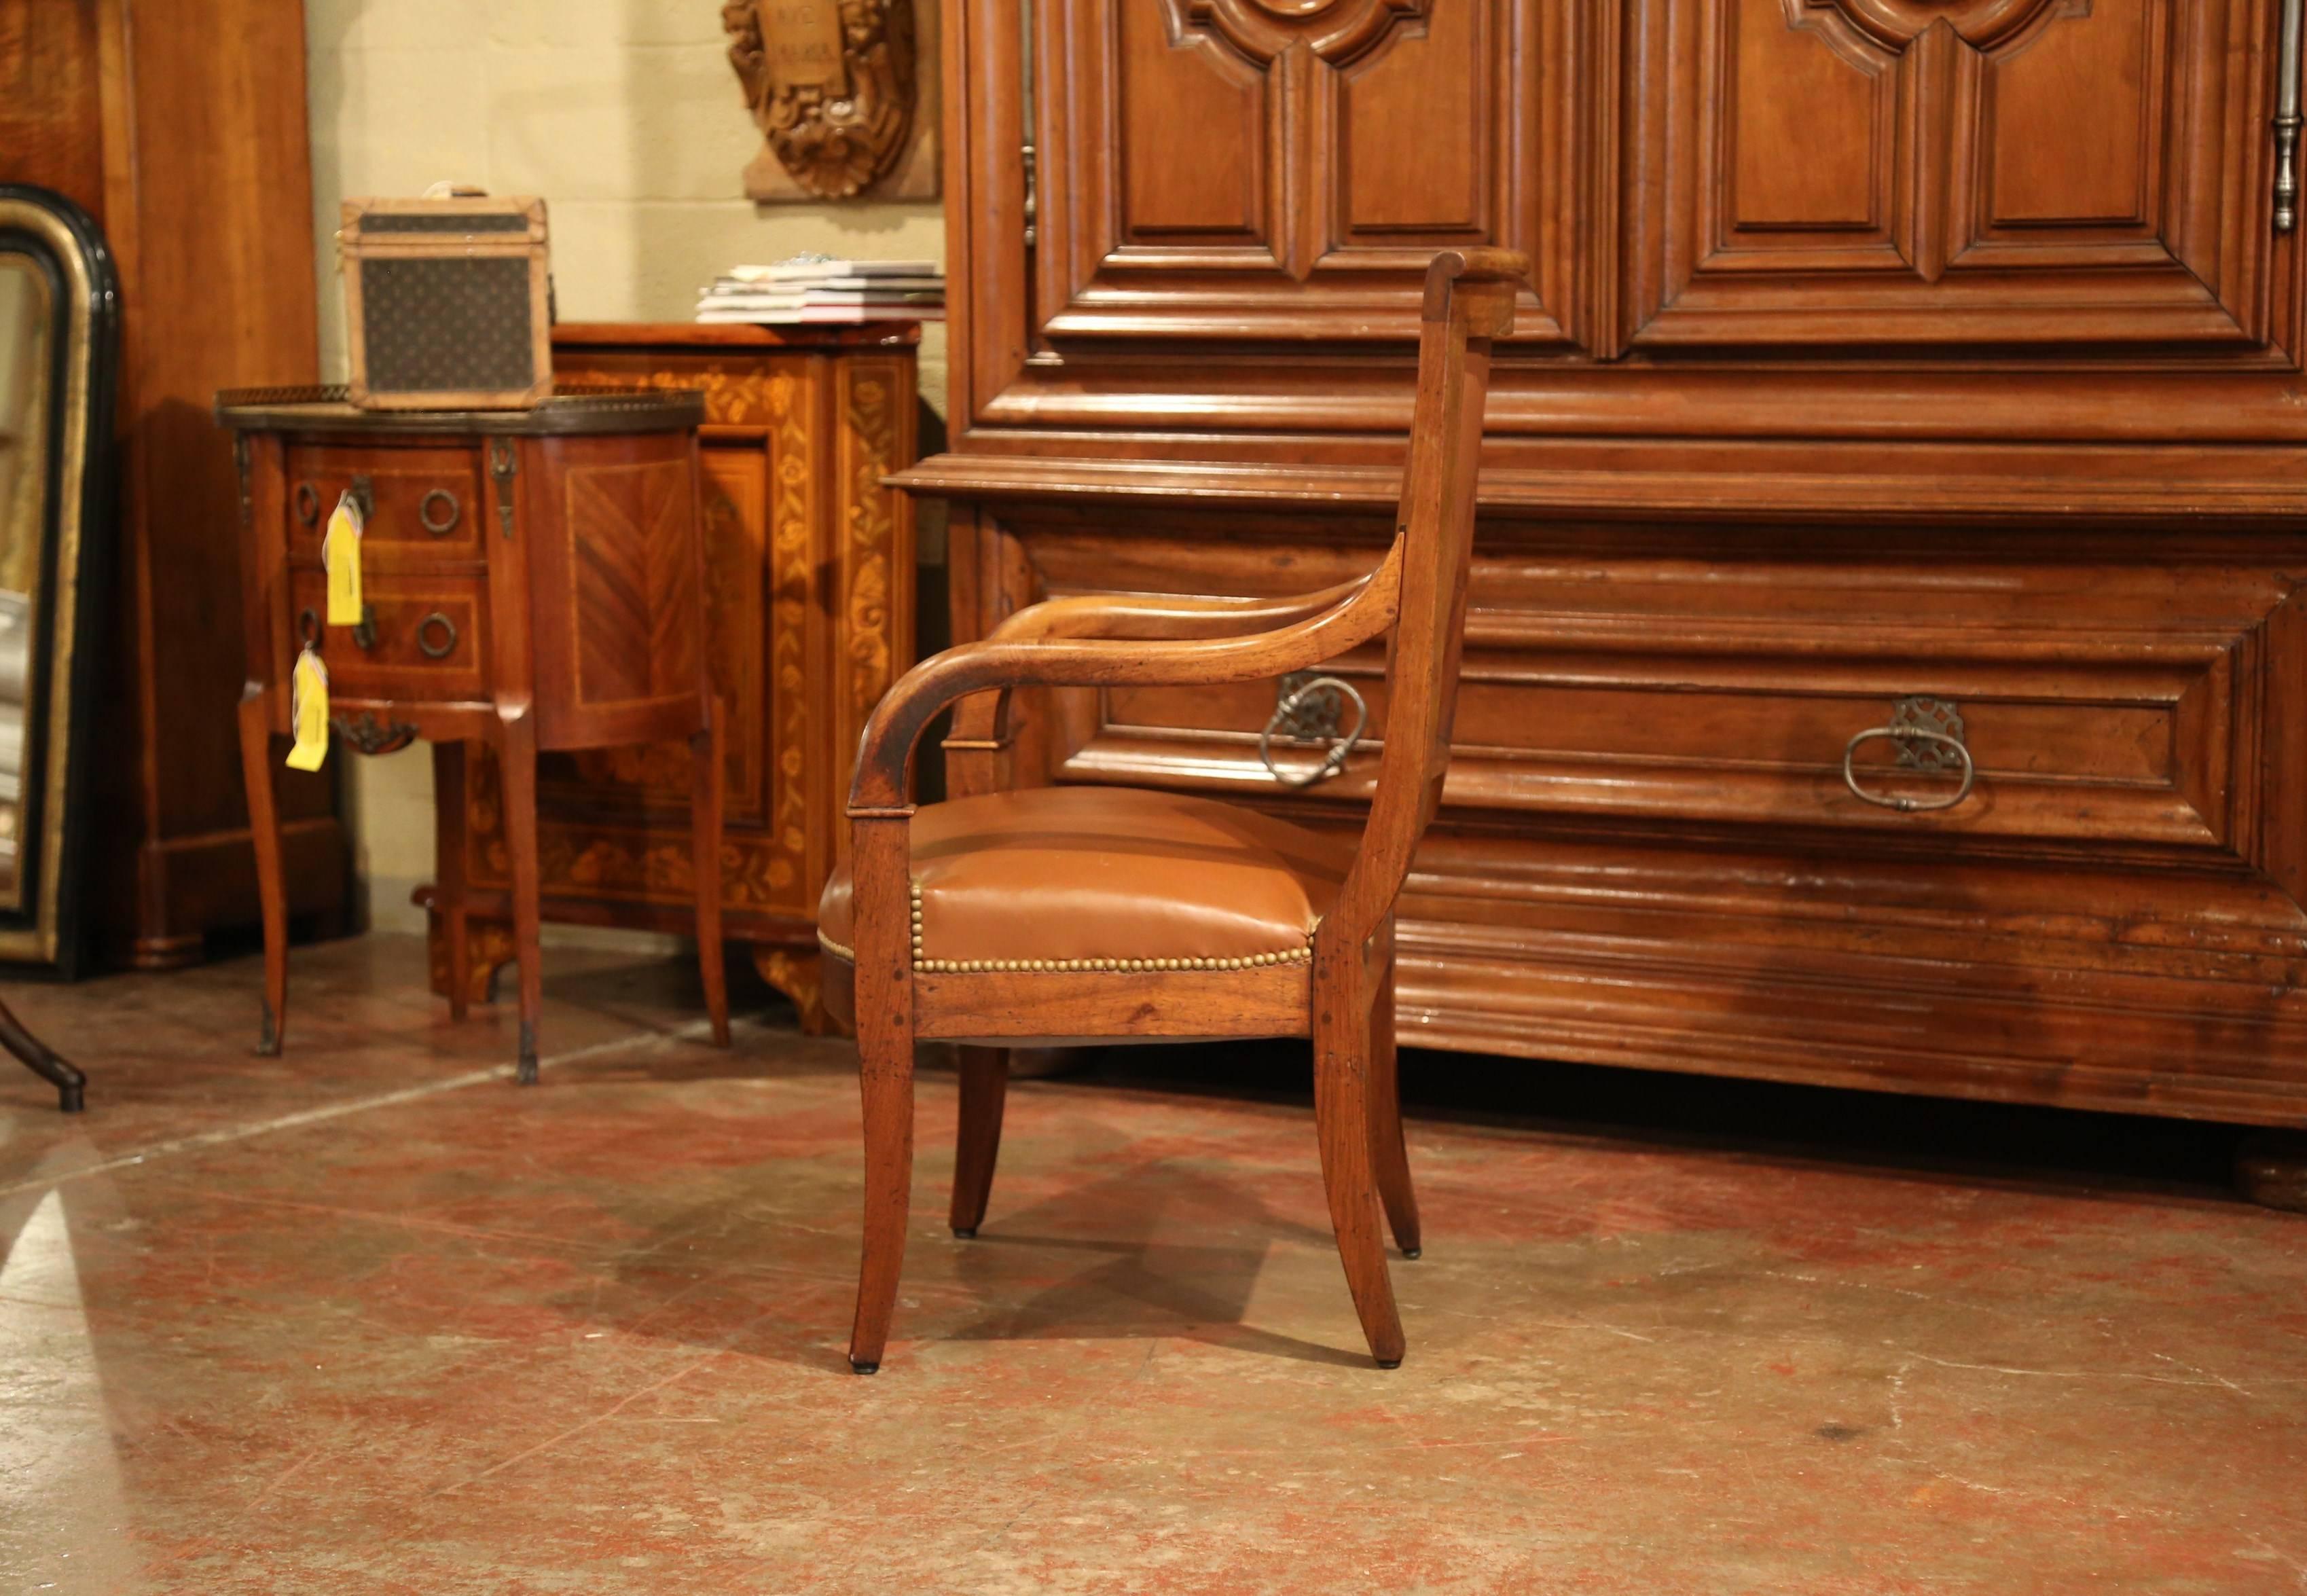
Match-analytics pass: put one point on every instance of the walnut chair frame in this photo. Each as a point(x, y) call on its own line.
point(1342, 996)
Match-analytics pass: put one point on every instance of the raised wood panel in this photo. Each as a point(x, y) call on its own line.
point(2025, 192)
point(1194, 119)
point(1434, 189)
point(1812, 131)
point(2038, 173)
point(1297, 164)
point(2011, 175)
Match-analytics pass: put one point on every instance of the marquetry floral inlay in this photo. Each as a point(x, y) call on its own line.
point(872, 533)
point(792, 599)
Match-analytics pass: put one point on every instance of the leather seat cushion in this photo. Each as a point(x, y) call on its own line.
point(1105, 873)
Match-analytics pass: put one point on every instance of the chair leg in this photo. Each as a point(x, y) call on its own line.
point(880, 858)
point(1389, 1158)
point(517, 755)
point(704, 845)
point(272, 877)
point(984, 1087)
point(1342, 1121)
point(886, 1071)
point(41, 1061)
point(449, 893)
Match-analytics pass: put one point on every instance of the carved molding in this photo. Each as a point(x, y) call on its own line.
point(1338, 32)
point(1894, 24)
point(832, 83)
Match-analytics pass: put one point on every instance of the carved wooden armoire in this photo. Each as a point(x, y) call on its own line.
point(1927, 367)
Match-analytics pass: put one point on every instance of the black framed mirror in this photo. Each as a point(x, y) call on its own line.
point(59, 354)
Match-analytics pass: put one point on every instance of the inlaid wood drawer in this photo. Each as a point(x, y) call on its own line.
point(426, 639)
point(423, 505)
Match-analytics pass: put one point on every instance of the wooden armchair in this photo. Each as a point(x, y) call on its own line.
point(1113, 914)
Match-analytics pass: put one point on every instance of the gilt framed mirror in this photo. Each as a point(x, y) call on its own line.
point(59, 352)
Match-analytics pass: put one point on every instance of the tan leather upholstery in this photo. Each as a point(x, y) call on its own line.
point(1105, 874)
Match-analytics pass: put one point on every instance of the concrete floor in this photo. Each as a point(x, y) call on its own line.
point(367, 1319)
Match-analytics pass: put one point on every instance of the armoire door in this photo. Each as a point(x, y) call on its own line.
point(2005, 175)
point(1274, 169)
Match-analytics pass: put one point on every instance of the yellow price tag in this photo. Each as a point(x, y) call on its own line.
point(340, 556)
point(308, 712)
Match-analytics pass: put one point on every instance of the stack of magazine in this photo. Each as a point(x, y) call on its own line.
point(818, 290)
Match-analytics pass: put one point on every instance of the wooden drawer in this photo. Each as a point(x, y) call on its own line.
point(426, 505)
point(430, 642)
point(2106, 708)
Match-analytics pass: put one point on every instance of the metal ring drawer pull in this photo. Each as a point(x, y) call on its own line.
point(308, 504)
point(424, 629)
point(440, 528)
point(1948, 747)
point(308, 627)
point(1307, 712)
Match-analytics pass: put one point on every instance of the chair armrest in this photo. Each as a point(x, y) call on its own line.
point(1153, 617)
point(1352, 616)
point(982, 721)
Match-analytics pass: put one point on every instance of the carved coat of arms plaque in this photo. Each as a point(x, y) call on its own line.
point(836, 87)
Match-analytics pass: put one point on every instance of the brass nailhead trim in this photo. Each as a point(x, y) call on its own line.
point(973, 966)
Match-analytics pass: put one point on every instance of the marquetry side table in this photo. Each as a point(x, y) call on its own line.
point(810, 602)
point(533, 581)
